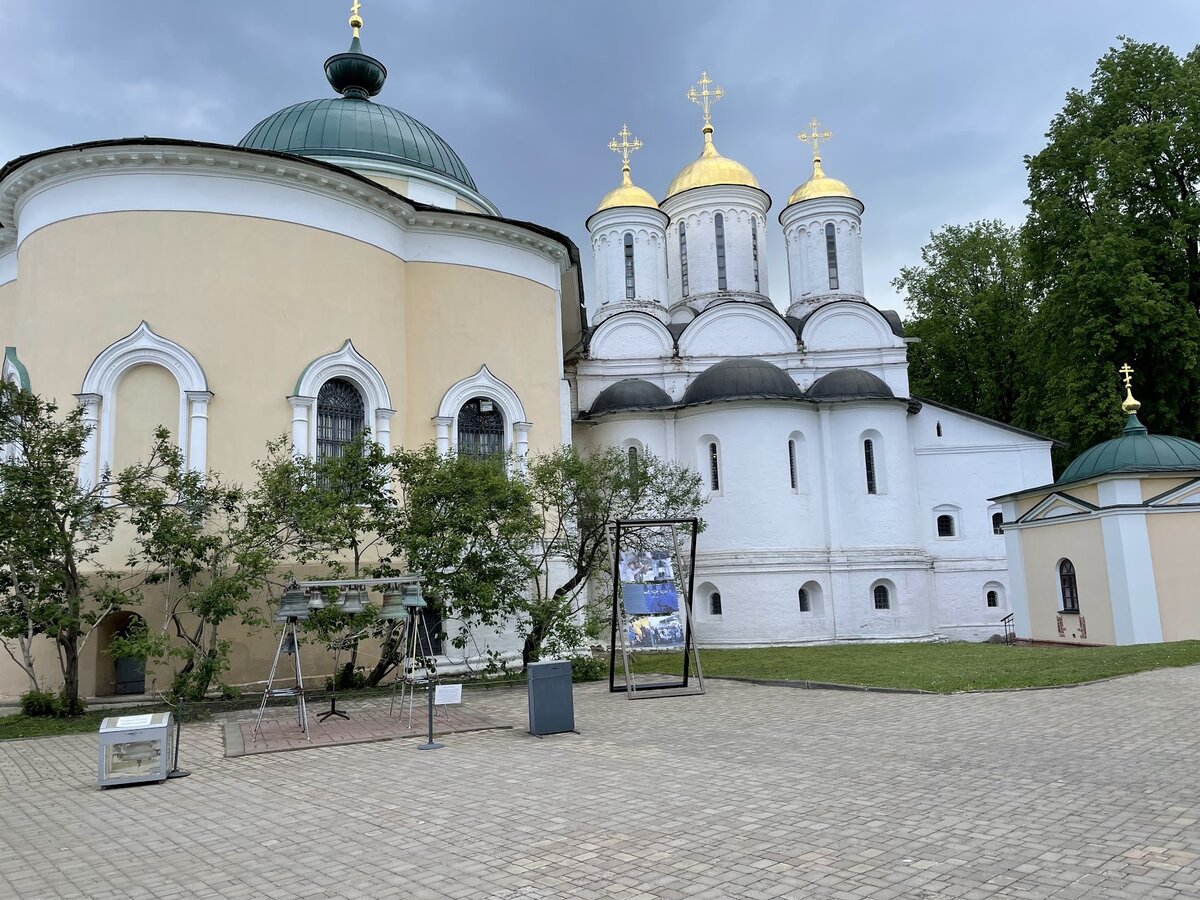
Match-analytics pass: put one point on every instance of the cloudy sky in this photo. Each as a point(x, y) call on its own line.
point(933, 104)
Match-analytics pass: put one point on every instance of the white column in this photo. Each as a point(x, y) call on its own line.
point(301, 418)
point(443, 425)
point(197, 454)
point(383, 428)
point(521, 438)
point(91, 418)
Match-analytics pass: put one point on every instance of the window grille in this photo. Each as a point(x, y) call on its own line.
point(719, 224)
point(805, 606)
point(754, 250)
point(1070, 588)
point(683, 260)
point(480, 429)
point(869, 461)
point(713, 474)
point(792, 462)
point(714, 603)
point(831, 254)
point(882, 599)
point(997, 523)
point(629, 286)
point(945, 526)
point(993, 599)
point(341, 415)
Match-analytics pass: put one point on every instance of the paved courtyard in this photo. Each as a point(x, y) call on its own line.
point(754, 792)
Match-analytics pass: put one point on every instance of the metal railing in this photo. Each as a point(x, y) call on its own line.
point(1010, 629)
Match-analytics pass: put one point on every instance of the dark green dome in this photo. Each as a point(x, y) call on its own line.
point(741, 378)
point(1136, 451)
point(353, 126)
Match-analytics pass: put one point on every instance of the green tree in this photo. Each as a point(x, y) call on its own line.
point(209, 555)
point(971, 304)
point(468, 527)
point(1112, 248)
point(577, 497)
point(53, 530)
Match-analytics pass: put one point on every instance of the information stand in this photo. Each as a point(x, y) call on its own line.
point(653, 573)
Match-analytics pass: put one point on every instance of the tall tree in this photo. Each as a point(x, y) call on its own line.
point(1112, 241)
point(970, 303)
point(53, 532)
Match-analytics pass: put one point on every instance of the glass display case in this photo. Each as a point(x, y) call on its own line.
point(135, 749)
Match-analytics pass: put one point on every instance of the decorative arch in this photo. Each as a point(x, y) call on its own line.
point(737, 329)
point(349, 364)
point(848, 325)
point(947, 522)
point(872, 461)
point(14, 371)
point(631, 335)
point(98, 396)
point(993, 596)
point(883, 596)
point(483, 384)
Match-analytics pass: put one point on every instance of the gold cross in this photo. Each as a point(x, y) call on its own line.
point(815, 137)
point(1127, 371)
point(625, 147)
point(704, 97)
point(355, 19)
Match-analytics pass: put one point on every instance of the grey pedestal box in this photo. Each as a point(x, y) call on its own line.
point(551, 701)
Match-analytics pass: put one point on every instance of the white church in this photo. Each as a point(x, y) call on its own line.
point(841, 508)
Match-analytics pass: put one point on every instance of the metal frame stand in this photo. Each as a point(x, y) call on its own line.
point(177, 772)
point(406, 673)
point(297, 691)
point(333, 710)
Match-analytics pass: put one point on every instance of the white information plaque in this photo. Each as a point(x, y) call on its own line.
point(135, 721)
point(444, 694)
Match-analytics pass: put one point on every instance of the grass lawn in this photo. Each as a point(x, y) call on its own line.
point(943, 668)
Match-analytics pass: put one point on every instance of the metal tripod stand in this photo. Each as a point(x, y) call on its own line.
point(297, 691)
point(406, 673)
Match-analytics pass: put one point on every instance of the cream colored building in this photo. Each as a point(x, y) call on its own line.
point(338, 269)
point(1106, 554)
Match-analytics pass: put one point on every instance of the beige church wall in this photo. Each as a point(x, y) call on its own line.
point(1152, 487)
point(1042, 549)
point(465, 206)
point(461, 318)
point(147, 396)
point(255, 301)
point(399, 185)
point(1173, 541)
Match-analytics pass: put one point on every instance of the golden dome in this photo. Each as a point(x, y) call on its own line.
point(626, 194)
point(820, 185)
point(711, 168)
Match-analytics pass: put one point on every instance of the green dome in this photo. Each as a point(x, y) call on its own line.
point(352, 127)
point(1136, 451)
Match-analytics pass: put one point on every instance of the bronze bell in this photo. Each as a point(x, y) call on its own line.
point(352, 601)
point(393, 606)
point(412, 596)
point(292, 605)
point(315, 599)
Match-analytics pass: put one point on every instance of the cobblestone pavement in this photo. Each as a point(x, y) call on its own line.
point(748, 792)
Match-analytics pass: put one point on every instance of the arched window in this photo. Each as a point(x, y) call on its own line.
point(754, 250)
point(993, 599)
point(883, 599)
point(792, 462)
point(480, 429)
point(629, 286)
point(1068, 586)
point(997, 523)
point(683, 260)
point(831, 254)
point(945, 525)
point(805, 605)
point(869, 462)
point(341, 415)
point(714, 475)
point(714, 603)
point(632, 453)
point(719, 226)
point(939, 429)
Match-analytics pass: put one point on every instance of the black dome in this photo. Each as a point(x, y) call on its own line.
point(741, 378)
point(850, 384)
point(632, 393)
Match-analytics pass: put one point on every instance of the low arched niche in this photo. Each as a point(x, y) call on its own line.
point(737, 329)
point(848, 326)
point(631, 336)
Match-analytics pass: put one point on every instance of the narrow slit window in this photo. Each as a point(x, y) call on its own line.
point(719, 225)
point(831, 253)
point(754, 251)
point(683, 260)
point(805, 605)
point(629, 285)
point(939, 429)
point(792, 462)
point(713, 468)
point(1070, 588)
point(869, 462)
point(883, 599)
point(633, 458)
